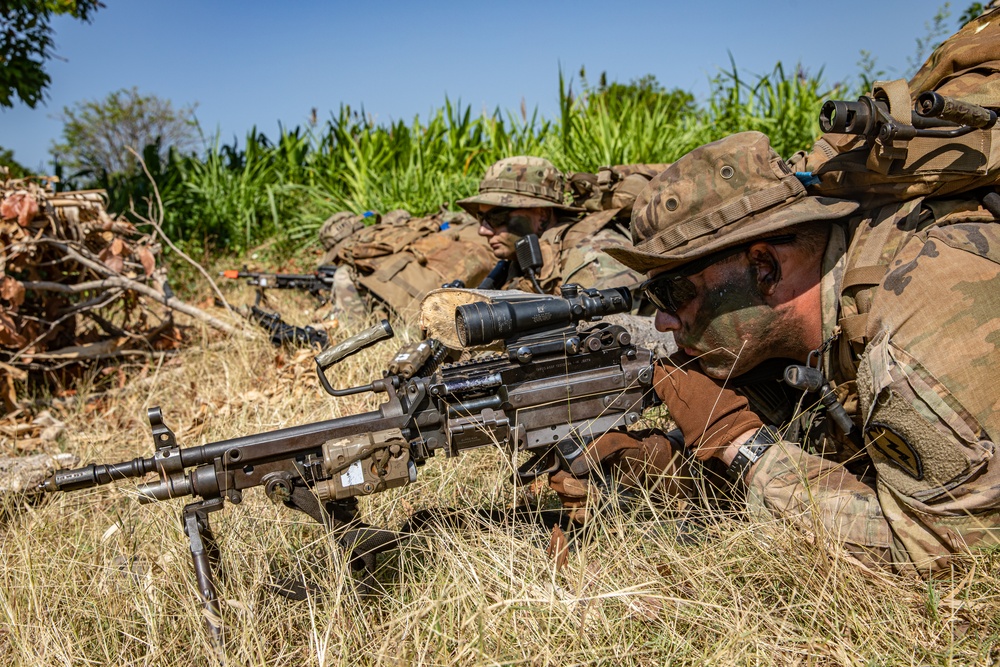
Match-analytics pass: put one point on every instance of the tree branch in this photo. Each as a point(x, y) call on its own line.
point(156, 224)
point(114, 280)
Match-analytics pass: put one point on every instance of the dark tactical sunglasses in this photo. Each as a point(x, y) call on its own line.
point(671, 290)
point(495, 218)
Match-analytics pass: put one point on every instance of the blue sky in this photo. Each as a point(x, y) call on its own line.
point(260, 63)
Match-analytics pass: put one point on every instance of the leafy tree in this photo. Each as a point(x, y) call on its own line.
point(96, 135)
point(642, 93)
point(26, 44)
point(15, 168)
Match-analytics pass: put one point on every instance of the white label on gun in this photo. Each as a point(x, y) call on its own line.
point(353, 475)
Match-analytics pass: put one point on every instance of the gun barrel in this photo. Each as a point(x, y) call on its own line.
point(97, 475)
point(258, 448)
point(933, 105)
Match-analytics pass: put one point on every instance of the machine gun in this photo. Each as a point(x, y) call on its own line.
point(892, 145)
point(317, 283)
point(934, 116)
point(563, 379)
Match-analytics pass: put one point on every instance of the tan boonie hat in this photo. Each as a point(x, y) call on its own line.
point(520, 182)
point(722, 194)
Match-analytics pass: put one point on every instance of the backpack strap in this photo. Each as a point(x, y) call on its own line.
point(875, 242)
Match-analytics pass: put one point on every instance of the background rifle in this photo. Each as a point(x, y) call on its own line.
point(283, 333)
point(557, 385)
point(318, 283)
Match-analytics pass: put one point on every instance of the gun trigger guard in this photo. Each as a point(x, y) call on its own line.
point(530, 470)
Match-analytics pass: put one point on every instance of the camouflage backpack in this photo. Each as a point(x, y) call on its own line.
point(611, 188)
point(875, 171)
point(403, 258)
point(338, 229)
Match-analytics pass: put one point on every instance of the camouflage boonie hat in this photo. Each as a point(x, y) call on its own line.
point(722, 194)
point(520, 182)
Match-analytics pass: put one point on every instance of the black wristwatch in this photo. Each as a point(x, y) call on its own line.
point(750, 452)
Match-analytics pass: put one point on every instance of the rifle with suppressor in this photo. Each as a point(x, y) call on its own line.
point(563, 379)
point(319, 283)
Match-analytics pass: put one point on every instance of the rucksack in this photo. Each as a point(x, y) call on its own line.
point(403, 258)
point(611, 188)
point(875, 171)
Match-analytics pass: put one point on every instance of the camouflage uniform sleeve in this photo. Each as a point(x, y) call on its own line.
point(589, 266)
point(929, 409)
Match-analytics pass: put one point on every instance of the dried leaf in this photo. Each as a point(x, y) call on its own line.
point(9, 337)
point(109, 533)
point(558, 548)
point(254, 396)
point(147, 260)
point(645, 607)
point(117, 246)
point(8, 393)
point(115, 263)
point(20, 206)
point(8, 208)
point(13, 291)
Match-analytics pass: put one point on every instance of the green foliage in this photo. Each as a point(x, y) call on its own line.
point(936, 30)
point(781, 105)
point(26, 44)
point(237, 196)
point(642, 93)
point(869, 72)
point(97, 134)
point(971, 12)
point(15, 168)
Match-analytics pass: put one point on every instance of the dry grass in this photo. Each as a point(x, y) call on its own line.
point(96, 578)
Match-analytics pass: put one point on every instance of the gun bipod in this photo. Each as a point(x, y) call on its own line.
point(205, 555)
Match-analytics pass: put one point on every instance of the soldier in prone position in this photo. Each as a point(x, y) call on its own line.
point(895, 310)
point(528, 195)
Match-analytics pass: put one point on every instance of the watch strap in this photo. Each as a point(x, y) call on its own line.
point(750, 452)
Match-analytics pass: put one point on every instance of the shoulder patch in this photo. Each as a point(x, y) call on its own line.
point(895, 448)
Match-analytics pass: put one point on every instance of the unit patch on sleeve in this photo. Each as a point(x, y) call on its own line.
point(895, 448)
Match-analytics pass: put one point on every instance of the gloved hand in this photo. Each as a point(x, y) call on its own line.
point(709, 415)
point(640, 459)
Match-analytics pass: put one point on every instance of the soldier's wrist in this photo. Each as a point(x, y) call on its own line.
point(750, 451)
point(733, 448)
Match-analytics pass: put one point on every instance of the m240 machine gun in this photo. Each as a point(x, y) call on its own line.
point(563, 379)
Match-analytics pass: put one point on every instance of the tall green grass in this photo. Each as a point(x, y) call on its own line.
point(236, 196)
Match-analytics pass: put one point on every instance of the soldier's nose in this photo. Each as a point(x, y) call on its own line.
point(666, 322)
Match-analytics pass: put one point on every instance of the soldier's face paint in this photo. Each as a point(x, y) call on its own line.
point(502, 227)
point(727, 325)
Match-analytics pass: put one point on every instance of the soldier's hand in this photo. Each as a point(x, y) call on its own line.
point(641, 459)
point(708, 414)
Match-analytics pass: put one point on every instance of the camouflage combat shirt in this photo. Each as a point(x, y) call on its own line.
point(911, 307)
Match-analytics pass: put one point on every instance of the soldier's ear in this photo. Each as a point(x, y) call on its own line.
point(766, 266)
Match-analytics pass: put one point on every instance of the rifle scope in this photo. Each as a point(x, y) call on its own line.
point(483, 323)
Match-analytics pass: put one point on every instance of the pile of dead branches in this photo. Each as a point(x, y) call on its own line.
point(77, 287)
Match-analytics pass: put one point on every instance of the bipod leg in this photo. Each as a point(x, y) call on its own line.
point(205, 555)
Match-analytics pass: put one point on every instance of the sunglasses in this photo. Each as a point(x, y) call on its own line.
point(672, 290)
point(495, 218)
